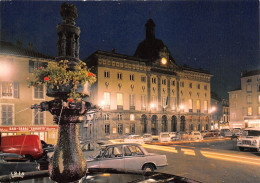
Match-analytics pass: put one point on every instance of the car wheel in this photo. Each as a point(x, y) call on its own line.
point(241, 148)
point(148, 168)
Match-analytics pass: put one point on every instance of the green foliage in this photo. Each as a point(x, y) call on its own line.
point(58, 74)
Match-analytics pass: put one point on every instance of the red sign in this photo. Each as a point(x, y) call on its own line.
point(27, 128)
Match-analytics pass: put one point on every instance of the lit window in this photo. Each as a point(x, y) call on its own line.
point(198, 105)
point(249, 111)
point(106, 116)
point(143, 102)
point(198, 86)
point(107, 98)
point(154, 80)
point(205, 106)
point(34, 65)
point(190, 105)
point(259, 99)
point(119, 116)
point(173, 102)
point(132, 117)
point(38, 92)
point(258, 110)
point(190, 85)
point(164, 102)
point(7, 114)
point(119, 99)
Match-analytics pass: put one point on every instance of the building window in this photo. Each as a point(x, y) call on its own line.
point(163, 81)
point(205, 87)
point(249, 80)
point(119, 76)
point(143, 102)
point(234, 96)
point(143, 78)
point(132, 128)
point(106, 116)
point(10, 89)
point(173, 82)
point(258, 110)
point(164, 102)
point(132, 117)
point(132, 100)
point(119, 117)
point(7, 114)
point(38, 92)
point(249, 88)
point(249, 111)
point(258, 89)
point(205, 106)
point(107, 99)
point(198, 105)
point(173, 102)
point(120, 128)
point(198, 86)
point(190, 85)
point(107, 128)
point(106, 74)
point(154, 80)
point(34, 65)
point(190, 105)
point(38, 117)
point(259, 99)
point(234, 105)
point(132, 77)
point(182, 84)
point(119, 99)
point(249, 99)
point(153, 105)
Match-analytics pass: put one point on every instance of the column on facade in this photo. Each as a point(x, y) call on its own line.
point(169, 102)
point(159, 94)
point(178, 103)
point(149, 117)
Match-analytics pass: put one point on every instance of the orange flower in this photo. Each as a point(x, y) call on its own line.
point(46, 79)
point(90, 74)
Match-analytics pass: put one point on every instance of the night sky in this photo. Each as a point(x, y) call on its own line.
point(219, 36)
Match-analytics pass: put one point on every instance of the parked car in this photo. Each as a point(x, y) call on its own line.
point(203, 133)
point(164, 137)
point(12, 157)
point(184, 135)
point(173, 136)
point(195, 135)
point(212, 133)
point(225, 133)
point(128, 156)
point(28, 145)
point(250, 139)
point(134, 139)
point(147, 138)
point(7, 167)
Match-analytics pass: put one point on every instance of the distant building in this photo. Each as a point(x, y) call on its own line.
point(16, 117)
point(147, 92)
point(220, 114)
point(245, 101)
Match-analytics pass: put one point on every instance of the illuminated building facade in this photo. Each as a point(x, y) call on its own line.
point(147, 92)
point(245, 101)
point(16, 117)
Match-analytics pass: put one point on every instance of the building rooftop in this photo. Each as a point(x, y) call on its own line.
point(250, 73)
point(11, 49)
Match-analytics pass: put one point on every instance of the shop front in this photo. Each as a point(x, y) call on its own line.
point(47, 133)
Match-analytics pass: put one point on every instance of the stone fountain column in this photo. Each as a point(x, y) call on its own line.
point(68, 163)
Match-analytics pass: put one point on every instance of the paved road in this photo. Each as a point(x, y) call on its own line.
point(210, 161)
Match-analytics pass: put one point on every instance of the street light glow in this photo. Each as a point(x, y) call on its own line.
point(181, 107)
point(5, 69)
point(152, 105)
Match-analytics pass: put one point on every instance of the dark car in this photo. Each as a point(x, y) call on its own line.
point(8, 167)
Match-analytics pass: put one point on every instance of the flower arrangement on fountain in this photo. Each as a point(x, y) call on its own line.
point(60, 79)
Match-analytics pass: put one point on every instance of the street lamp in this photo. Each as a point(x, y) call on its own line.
point(211, 111)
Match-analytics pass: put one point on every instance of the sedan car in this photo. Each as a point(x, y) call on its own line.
point(126, 156)
point(195, 135)
point(164, 137)
point(147, 138)
point(134, 139)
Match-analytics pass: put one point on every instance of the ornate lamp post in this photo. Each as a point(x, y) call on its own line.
point(68, 163)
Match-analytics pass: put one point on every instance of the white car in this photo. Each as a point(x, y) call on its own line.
point(147, 138)
point(134, 139)
point(225, 132)
point(250, 139)
point(164, 137)
point(174, 136)
point(195, 135)
point(126, 156)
